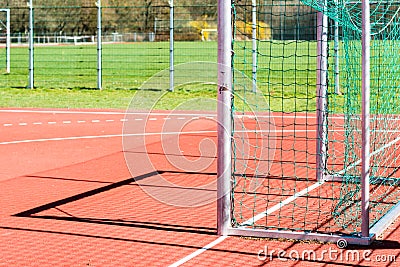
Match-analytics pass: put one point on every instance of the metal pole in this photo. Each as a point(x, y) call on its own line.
point(224, 159)
point(99, 46)
point(254, 43)
point(336, 51)
point(8, 41)
point(155, 27)
point(365, 169)
point(171, 45)
point(322, 89)
point(31, 47)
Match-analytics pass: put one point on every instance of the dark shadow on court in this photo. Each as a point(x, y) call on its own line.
point(35, 212)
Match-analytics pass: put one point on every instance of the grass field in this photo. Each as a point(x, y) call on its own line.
point(65, 75)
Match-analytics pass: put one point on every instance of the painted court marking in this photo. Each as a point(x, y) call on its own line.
point(254, 219)
point(283, 203)
point(99, 136)
point(178, 117)
point(200, 251)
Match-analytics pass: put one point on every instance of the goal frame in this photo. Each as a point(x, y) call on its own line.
point(207, 30)
point(224, 157)
point(8, 39)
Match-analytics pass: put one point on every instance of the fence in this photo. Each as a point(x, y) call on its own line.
point(83, 44)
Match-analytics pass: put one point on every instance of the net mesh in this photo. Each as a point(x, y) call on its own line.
point(384, 110)
point(274, 145)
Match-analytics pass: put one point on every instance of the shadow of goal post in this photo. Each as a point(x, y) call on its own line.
point(224, 159)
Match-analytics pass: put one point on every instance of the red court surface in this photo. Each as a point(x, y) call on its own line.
point(69, 198)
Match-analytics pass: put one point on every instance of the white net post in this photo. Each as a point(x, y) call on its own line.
point(224, 159)
point(322, 68)
point(171, 45)
point(254, 43)
point(336, 55)
point(8, 40)
point(31, 48)
point(365, 166)
point(99, 46)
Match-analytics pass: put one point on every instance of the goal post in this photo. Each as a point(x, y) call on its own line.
point(297, 158)
point(7, 37)
point(205, 34)
point(224, 120)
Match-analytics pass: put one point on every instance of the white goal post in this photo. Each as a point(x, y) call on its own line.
point(8, 37)
point(205, 32)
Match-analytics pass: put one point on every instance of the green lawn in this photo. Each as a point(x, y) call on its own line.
point(65, 76)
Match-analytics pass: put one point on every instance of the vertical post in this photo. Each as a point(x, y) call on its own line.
point(155, 27)
point(336, 52)
point(365, 65)
point(99, 46)
point(171, 45)
point(8, 42)
point(322, 89)
point(224, 159)
point(254, 43)
point(31, 48)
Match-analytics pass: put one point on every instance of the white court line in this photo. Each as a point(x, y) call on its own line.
point(95, 121)
point(66, 122)
point(167, 113)
point(281, 204)
point(302, 116)
point(199, 251)
point(23, 124)
point(358, 162)
point(100, 136)
point(108, 136)
point(252, 220)
point(60, 112)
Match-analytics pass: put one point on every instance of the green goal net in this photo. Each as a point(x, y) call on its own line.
point(297, 139)
point(384, 109)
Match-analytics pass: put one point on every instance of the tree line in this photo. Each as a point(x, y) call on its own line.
point(286, 18)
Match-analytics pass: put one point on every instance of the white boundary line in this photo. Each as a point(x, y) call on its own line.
point(99, 136)
point(199, 251)
point(172, 113)
point(252, 220)
point(281, 204)
point(144, 134)
point(166, 113)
